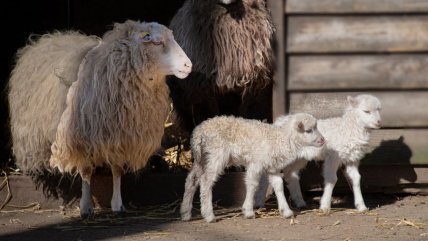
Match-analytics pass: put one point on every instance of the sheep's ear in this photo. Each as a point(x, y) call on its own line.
point(352, 101)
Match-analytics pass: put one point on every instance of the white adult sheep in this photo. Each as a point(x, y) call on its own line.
point(347, 138)
point(115, 110)
point(262, 148)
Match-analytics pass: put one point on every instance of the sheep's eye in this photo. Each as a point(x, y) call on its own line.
point(309, 131)
point(145, 36)
point(367, 111)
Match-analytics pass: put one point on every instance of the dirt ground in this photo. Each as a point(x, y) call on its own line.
point(391, 217)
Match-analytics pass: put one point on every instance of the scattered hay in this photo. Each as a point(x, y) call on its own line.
point(5, 183)
point(411, 223)
point(337, 223)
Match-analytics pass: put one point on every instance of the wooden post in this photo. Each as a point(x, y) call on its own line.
point(279, 87)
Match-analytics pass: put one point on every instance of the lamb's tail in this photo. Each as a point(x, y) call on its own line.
point(192, 180)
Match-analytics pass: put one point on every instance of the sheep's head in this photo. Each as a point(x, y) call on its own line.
point(367, 109)
point(306, 127)
point(156, 43)
point(226, 2)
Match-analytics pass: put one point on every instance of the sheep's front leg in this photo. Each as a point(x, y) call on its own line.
point(292, 178)
point(116, 199)
point(252, 178)
point(330, 178)
point(275, 179)
point(353, 174)
point(86, 207)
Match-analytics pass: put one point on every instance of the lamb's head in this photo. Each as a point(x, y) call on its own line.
point(305, 127)
point(156, 44)
point(367, 109)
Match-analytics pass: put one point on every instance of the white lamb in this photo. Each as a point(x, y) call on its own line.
point(260, 147)
point(347, 140)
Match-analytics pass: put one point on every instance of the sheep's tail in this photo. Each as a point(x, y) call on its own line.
point(192, 180)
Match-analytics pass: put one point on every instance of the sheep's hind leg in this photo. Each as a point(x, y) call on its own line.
point(86, 207)
point(116, 199)
point(353, 174)
point(278, 186)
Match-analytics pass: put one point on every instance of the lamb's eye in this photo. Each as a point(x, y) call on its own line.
point(367, 111)
point(309, 131)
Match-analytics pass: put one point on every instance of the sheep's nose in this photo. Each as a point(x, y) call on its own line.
point(322, 141)
point(379, 122)
point(188, 64)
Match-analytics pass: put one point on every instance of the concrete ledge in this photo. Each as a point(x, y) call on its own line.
point(151, 189)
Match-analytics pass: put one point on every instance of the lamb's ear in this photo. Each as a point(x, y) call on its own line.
point(300, 127)
point(352, 101)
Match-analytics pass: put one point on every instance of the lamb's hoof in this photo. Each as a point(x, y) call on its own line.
point(361, 208)
point(249, 215)
point(186, 216)
point(86, 213)
point(210, 219)
point(325, 210)
point(286, 213)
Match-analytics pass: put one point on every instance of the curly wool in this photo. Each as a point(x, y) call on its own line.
point(37, 91)
point(116, 110)
point(236, 47)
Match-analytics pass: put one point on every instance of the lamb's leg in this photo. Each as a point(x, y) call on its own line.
point(330, 178)
point(116, 199)
point(86, 208)
point(353, 174)
point(292, 178)
point(275, 180)
point(206, 183)
point(262, 192)
point(252, 178)
point(192, 182)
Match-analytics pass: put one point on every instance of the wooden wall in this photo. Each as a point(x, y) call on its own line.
point(329, 49)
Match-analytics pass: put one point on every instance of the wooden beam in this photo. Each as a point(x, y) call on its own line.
point(399, 109)
point(279, 87)
point(356, 6)
point(407, 71)
point(326, 34)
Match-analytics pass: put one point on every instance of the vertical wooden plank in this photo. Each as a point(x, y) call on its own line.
point(279, 87)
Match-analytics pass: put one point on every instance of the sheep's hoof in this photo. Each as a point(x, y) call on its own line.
point(86, 213)
point(121, 209)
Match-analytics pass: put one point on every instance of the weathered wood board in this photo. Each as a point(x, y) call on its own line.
point(330, 34)
point(326, 72)
point(399, 108)
point(356, 6)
